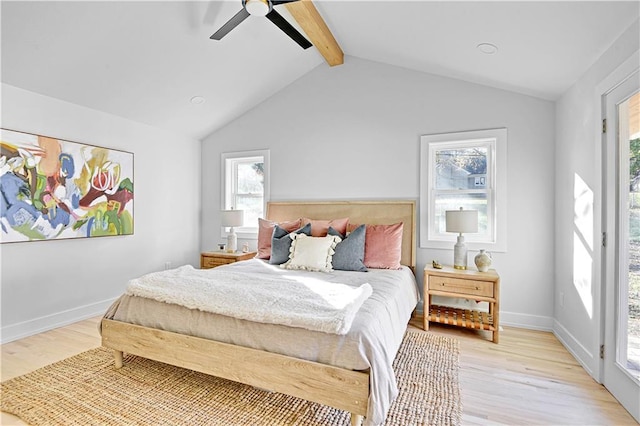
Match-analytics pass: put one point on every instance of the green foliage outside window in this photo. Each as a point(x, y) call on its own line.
point(634, 164)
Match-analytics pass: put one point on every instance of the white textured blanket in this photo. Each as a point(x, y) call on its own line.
point(295, 301)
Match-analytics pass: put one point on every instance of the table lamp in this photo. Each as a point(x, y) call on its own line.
point(462, 222)
point(232, 218)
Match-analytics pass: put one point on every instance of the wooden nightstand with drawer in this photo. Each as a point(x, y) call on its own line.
point(211, 259)
point(465, 284)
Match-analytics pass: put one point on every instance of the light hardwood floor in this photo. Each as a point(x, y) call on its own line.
point(529, 378)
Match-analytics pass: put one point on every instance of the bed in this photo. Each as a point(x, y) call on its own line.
point(326, 373)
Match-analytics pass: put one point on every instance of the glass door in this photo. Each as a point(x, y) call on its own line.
point(621, 350)
point(629, 139)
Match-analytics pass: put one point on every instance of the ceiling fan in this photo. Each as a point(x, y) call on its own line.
point(263, 8)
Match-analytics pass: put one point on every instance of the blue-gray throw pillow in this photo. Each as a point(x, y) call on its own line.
point(281, 243)
point(349, 255)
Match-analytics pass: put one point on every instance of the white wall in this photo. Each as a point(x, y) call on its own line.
point(579, 157)
point(50, 283)
point(353, 132)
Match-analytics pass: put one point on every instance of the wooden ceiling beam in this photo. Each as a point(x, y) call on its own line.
point(309, 19)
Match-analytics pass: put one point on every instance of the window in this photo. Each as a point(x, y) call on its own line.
point(468, 170)
point(245, 186)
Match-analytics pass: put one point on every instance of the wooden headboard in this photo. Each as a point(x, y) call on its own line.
point(369, 212)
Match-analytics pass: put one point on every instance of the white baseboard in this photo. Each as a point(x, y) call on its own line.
point(587, 359)
point(9, 333)
point(528, 321)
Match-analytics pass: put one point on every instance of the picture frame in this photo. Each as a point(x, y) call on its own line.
point(53, 189)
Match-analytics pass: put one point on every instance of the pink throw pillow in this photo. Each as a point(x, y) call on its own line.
point(265, 232)
point(382, 246)
point(319, 227)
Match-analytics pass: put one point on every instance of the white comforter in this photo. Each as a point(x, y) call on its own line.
point(268, 296)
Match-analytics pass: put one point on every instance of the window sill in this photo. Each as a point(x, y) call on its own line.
point(471, 246)
point(242, 235)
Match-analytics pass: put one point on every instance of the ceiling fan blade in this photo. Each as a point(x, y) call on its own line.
point(277, 2)
point(231, 24)
point(285, 26)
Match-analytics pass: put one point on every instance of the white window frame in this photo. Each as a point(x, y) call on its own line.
point(496, 142)
point(228, 161)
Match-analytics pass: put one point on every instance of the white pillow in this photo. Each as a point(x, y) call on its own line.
point(311, 253)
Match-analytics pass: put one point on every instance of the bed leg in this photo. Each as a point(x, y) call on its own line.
point(356, 419)
point(118, 358)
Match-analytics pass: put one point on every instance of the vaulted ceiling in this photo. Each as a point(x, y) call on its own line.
point(146, 60)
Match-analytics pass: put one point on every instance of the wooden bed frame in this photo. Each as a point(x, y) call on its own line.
point(333, 386)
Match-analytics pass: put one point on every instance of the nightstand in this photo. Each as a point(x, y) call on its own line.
point(211, 259)
point(465, 284)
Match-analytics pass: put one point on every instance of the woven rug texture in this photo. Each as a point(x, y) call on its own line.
point(86, 389)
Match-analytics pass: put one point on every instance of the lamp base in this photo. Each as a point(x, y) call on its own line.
point(232, 242)
point(460, 254)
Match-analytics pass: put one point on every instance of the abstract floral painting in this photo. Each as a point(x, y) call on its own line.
point(53, 189)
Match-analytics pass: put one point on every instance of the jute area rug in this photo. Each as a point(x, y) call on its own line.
point(87, 390)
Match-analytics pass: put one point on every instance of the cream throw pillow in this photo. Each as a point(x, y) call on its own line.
point(311, 253)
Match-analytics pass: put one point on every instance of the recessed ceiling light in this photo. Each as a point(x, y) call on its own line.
point(487, 48)
point(198, 100)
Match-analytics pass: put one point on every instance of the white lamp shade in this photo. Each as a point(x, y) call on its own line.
point(462, 221)
point(232, 218)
